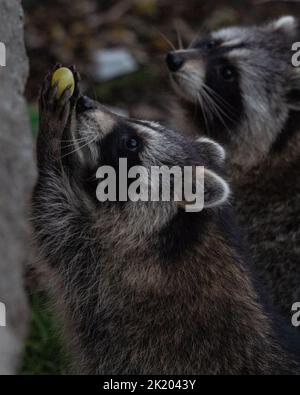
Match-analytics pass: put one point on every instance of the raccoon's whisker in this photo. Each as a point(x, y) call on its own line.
point(196, 108)
point(70, 145)
point(169, 42)
point(179, 38)
point(95, 94)
point(207, 105)
point(201, 102)
point(221, 114)
point(194, 40)
point(221, 110)
point(223, 106)
point(83, 139)
point(206, 110)
point(216, 109)
point(211, 104)
point(81, 146)
point(219, 97)
point(71, 140)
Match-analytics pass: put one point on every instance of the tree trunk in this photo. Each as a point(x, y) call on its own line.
point(16, 178)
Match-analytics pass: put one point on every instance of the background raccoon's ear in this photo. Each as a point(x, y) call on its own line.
point(216, 189)
point(209, 148)
point(285, 24)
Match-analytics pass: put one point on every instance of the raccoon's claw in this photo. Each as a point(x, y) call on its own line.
point(55, 115)
point(53, 110)
point(77, 92)
point(63, 106)
point(47, 84)
point(57, 66)
point(43, 92)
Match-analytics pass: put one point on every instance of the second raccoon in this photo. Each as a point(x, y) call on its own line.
point(238, 86)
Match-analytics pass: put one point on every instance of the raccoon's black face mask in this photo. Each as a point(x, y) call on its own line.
point(237, 83)
point(115, 142)
point(208, 82)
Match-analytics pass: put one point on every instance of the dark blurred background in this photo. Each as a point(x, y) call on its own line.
point(119, 48)
point(132, 33)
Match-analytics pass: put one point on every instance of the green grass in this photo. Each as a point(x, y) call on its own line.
point(44, 352)
point(34, 119)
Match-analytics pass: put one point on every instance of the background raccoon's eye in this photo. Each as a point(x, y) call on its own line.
point(131, 143)
point(227, 73)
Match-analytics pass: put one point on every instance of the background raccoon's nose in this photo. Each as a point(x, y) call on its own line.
point(84, 103)
point(174, 61)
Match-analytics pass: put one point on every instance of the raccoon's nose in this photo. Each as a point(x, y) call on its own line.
point(84, 103)
point(174, 61)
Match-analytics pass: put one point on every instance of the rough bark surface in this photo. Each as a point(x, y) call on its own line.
point(16, 178)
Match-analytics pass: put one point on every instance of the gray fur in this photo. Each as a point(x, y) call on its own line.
point(136, 295)
point(262, 146)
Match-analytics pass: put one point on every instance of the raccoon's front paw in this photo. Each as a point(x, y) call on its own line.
point(54, 110)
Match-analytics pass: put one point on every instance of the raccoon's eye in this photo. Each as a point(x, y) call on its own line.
point(131, 143)
point(227, 73)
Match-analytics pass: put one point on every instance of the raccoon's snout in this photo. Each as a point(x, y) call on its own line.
point(84, 104)
point(174, 61)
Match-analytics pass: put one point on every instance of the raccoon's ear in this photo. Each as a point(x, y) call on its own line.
point(210, 149)
point(285, 24)
point(209, 191)
point(216, 189)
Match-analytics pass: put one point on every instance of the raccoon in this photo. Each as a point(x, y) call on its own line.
point(145, 287)
point(238, 86)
